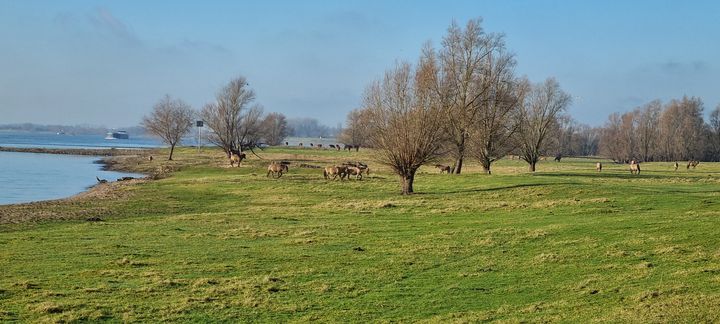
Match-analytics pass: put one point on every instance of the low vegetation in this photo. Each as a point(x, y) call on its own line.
point(214, 243)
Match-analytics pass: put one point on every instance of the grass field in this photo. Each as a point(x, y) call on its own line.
point(210, 243)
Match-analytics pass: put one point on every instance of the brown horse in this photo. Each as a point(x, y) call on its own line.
point(443, 168)
point(598, 167)
point(352, 170)
point(692, 163)
point(236, 158)
point(276, 169)
point(335, 171)
point(634, 167)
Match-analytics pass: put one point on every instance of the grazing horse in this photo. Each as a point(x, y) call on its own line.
point(276, 169)
point(348, 147)
point(676, 165)
point(598, 167)
point(352, 170)
point(335, 171)
point(443, 168)
point(558, 157)
point(360, 165)
point(236, 157)
point(692, 163)
point(634, 167)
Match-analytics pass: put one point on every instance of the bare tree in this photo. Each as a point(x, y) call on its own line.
point(355, 132)
point(628, 142)
point(648, 136)
point(466, 75)
point(610, 139)
point(538, 118)
point(235, 124)
point(170, 120)
point(274, 128)
point(587, 140)
point(494, 128)
point(714, 137)
point(404, 120)
point(682, 129)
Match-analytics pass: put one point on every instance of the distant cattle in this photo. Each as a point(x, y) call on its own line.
point(598, 167)
point(351, 146)
point(332, 146)
point(676, 165)
point(558, 157)
point(692, 163)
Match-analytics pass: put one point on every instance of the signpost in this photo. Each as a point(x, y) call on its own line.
point(199, 124)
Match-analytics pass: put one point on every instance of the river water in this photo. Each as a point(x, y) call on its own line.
point(26, 177)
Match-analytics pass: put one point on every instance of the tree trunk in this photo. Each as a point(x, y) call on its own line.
point(461, 154)
point(458, 165)
point(407, 183)
point(172, 148)
point(531, 166)
point(486, 166)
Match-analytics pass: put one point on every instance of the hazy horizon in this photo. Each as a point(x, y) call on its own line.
point(107, 62)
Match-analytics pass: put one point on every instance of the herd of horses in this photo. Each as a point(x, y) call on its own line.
point(343, 171)
point(635, 166)
point(356, 169)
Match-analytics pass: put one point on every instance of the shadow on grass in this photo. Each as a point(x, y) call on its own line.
point(628, 175)
point(491, 189)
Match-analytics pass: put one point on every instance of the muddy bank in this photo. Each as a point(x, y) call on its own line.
point(99, 201)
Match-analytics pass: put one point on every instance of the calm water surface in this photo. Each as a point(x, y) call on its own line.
point(26, 177)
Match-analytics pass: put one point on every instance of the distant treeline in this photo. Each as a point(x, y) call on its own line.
point(311, 127)
point(76, 129)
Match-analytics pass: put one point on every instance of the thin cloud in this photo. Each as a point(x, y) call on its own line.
point(105, 22)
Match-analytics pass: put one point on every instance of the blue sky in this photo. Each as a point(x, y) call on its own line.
point(108, 62)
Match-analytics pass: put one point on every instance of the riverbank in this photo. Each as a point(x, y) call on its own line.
point(125, 161)
point(104, 199)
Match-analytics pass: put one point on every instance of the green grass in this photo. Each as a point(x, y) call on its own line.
point(219, 244)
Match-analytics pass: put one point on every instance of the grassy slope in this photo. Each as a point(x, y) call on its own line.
point(213, 243)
